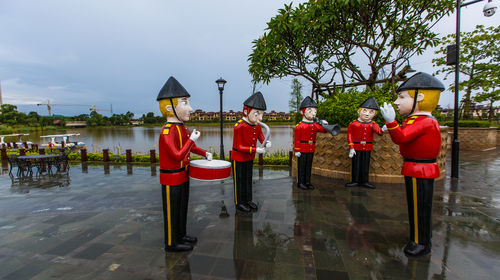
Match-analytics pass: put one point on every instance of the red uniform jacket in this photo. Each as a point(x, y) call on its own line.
point(419, 137)
point(360, 135)
point(305, 136)
point(245, 141)
point(175, 147)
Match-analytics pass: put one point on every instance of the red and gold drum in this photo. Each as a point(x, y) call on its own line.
point(209, 170)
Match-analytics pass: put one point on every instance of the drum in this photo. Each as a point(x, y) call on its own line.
point(209, 170)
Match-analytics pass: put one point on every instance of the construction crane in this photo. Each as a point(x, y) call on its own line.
point(94, 109)
point(49, 105)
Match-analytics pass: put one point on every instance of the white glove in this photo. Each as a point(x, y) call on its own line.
point(268, 144)
point(260, 150)
point(388, 112)
point(323, 122)
point(298, 154)
point(384, 128)
point(352, 152)
point(209, 156)
point(194, 135)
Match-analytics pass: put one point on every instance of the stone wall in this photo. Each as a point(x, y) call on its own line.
point(475, 138)
point(331, 158)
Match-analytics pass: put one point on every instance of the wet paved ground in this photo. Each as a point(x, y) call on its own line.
point(106, 223)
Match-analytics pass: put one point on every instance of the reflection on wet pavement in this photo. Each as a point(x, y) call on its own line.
point(105, 222)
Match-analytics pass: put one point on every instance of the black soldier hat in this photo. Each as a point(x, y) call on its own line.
point(256, 101)
point(172, 89)
point(308, 102)
point(421, 81)
point(370, 103)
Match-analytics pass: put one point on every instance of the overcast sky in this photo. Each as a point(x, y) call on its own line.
point(121, 52)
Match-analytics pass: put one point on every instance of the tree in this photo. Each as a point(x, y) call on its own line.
point(96, 119)
point(491, 89)
point(295, 96)
point(33, 118)
point(322, 38)
point(10, 115)
point(479, 63)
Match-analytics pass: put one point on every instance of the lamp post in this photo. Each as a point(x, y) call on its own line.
point(220, 83)
point(488, 10)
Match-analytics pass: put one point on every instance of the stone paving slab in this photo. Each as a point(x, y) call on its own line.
point(107, 223)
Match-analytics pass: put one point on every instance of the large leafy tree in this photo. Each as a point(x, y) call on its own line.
point(355, 42)
point(479, 66)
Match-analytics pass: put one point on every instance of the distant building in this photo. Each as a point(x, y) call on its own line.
point(136, 122)
point(200, 115)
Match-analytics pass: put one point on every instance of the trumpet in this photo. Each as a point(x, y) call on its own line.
point(267, 135)
point(333, 129)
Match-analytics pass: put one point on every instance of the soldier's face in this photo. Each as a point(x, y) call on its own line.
point(255, 116)
point(366, 115)
point(183, 109)
point(404, 103)
point(310, 113)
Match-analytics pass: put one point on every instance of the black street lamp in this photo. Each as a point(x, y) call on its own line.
point(488, 10)
point(220, 83)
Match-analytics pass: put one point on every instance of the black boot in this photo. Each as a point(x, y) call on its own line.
point(413, 249)
point(302, 186)
point(179, 248)
point(189, 239)
point(242, 208)
point(367, 185)
point(310, 186)
point(351, 184)
point(252, 205)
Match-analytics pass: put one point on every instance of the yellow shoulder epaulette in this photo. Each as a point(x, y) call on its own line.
point(166, 129)
point(238, 122)
point(412, 119)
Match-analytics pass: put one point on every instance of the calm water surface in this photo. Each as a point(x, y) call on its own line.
point(143, 139)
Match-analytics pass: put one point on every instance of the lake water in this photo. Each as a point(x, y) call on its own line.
point(143, 139)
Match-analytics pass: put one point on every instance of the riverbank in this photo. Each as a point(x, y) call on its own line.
point(5, 129)
point(226, 123)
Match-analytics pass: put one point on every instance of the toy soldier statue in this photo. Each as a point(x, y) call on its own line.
point(419, 140)
point(175, 145)
point(360, 139)
point(305, 142)
point(246, 133)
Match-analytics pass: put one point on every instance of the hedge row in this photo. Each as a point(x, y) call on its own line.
point(468, 123)
point(75, 156)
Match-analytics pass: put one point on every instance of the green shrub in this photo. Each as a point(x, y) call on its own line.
point(276, 160)
point(94, 157)
point(74, 156)
point(468, 123)
point(342, 109)
point(4, 129)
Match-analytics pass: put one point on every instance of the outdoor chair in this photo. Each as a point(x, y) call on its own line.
point(61, 163)
point(13, 163)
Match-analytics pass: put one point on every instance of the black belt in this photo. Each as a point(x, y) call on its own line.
point(363, 142)
point(170, 171)
point(310, 142)
point(423, 160)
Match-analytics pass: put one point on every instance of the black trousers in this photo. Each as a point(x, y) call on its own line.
point(304, 167)
point(360, 167)
point(175, 207)
point(242, 180)
point(419, 194)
